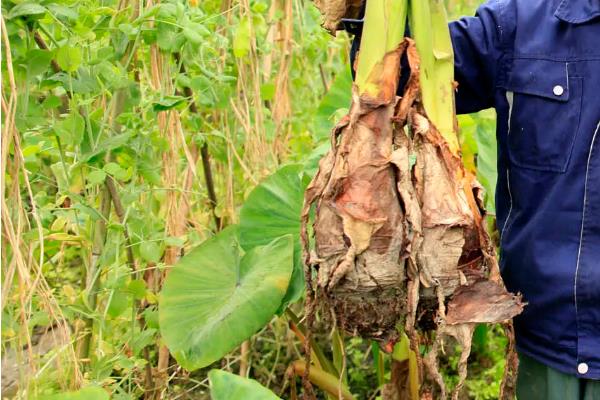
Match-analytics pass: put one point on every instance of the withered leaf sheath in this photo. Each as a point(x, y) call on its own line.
point(334, 10)
point(399, 239)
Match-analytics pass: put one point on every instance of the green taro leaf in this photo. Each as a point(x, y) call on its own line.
point(228, 386)
point(214, 298)
point(271, 210)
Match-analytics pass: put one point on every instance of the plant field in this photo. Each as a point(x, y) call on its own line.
point(154, 160)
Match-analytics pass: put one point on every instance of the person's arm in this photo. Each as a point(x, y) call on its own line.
point(479, 45)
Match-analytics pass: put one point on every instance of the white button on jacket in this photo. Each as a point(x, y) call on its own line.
point(558, 90)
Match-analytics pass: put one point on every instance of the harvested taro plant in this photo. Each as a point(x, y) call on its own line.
point(398, 244)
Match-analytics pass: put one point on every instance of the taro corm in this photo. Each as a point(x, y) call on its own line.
point(399, 238)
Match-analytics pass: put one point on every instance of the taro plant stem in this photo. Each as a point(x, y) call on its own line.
point(429, 27)
point(383, 19)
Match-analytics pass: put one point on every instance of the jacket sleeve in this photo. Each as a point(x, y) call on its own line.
point(479, 44)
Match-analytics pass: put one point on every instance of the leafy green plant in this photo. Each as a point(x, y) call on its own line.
point(216, 297)
point(227, 386)
point(87, 393)
point(272, 210)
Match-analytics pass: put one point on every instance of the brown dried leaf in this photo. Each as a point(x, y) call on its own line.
point(482, 302)
point(334, 10)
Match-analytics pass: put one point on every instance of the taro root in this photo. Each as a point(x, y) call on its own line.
point(399, 236)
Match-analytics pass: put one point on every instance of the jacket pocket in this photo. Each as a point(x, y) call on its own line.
point(544, 114)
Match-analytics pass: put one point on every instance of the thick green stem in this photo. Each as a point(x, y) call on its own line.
point(429, 28)
point(383, 31)
point(327, 382)
point(318, 355)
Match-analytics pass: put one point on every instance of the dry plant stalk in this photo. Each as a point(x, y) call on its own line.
point(21, 267)
point(399, 226)
point(176, 207)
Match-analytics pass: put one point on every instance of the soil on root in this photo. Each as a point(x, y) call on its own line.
point(373, 315)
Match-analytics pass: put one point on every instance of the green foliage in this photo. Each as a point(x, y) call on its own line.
point(487, 156)
point(486, 367)
point(215, 297)
point(272, 210)
point(88, 112)
point(87, 393)
point(69, 58)
point(242, 39)
point(227, 386)
point(26, 8)
point(70, 130)
point(334, 104)
point(479, 145)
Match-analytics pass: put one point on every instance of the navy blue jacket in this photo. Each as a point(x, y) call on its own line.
point(537, 62)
